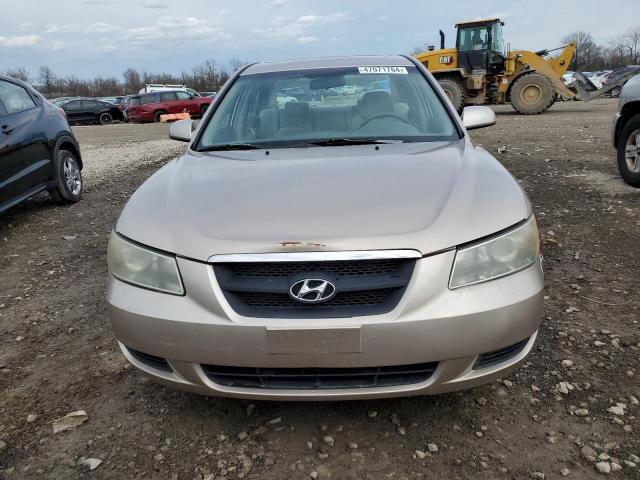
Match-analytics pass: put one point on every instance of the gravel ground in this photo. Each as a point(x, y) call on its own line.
point(572, 411)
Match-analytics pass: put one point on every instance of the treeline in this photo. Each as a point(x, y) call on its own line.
point(207, 77)
point(589, 56)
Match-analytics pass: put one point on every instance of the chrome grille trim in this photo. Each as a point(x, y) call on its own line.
point(315, 256)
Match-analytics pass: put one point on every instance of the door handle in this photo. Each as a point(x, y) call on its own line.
point(6, 129)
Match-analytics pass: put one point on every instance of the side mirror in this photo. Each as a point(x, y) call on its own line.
point(478, 117)
point(181, 130)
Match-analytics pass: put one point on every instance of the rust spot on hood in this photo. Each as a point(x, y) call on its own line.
point(302, 244)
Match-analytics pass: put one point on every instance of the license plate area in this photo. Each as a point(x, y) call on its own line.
point(294, 341)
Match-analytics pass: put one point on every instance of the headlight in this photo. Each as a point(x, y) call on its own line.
point(142, 267)
point(497, 257)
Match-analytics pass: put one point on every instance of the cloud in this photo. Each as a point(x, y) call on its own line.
point(176, 29)
point(288, 27)
point(155, 4)
point(20, 41)
point(96, 27)
point(308, 39)
point(276, 3)
point(324, 19)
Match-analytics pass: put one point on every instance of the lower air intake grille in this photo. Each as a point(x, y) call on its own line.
point(150, 360)
point(319, 378)
point(498, 356)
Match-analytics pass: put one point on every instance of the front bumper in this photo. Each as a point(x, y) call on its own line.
point(430, 324)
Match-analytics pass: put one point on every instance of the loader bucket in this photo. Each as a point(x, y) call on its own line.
point(587, 91)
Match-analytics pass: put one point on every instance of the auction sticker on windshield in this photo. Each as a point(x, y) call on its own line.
point(396, 70)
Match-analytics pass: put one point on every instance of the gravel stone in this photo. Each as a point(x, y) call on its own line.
point(603, 468)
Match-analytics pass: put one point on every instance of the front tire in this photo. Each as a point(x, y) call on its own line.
point(531, 94)
point(629, 152)
point(105, 119)
point(203, 110)
point(615, 92)
point(455, 92)
point(68, 178)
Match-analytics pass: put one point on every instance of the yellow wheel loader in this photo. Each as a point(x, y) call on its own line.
point(479, 71)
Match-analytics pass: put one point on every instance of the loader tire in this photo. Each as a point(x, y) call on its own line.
point(532, 94)
point(455, 92)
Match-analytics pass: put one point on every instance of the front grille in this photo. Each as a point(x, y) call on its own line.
point(150, 360)
point(363, 287)
point(339, 269)
point(498, 356)
point(319, 378)
point(346, 299)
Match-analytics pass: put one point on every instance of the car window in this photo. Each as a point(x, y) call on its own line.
point(146, 99)
point(294, 107)
point(89, 104)
point(73, 105)
point(167, 96)
point(183, 96)
point(134, 101)
point(15, 98)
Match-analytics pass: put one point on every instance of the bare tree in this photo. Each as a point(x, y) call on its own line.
point(586, 49)
point(20, 73)
point(629, 43)
point(132, 80)
point(47, 79)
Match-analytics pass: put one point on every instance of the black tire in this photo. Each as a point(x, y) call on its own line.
point(629, 137)
point(531, 94)
point(203, 110)
point(67, 190)
point(105, 118)
point(156, 115)
point(615, 92)
point(455, 91)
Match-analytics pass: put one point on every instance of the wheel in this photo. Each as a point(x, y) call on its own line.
point(455, 92)
point(203, 110)
point(105, 118)
point(156, 116)
point(531, 94)
point(629, 152)
point(68, 187)
point(615, 92)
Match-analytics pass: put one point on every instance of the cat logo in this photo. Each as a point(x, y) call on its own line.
point(446, 59)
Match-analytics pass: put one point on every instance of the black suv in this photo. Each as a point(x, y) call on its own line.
point(38, 151)
point(88, 110)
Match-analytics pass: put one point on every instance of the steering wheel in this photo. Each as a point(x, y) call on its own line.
point(385, 114)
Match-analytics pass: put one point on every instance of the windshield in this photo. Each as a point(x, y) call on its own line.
point(298, 108)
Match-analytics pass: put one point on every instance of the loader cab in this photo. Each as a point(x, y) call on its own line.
point(480, 46)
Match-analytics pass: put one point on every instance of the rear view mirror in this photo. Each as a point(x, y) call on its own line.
point(181, 130)
point(325, 83)
point(478, 117)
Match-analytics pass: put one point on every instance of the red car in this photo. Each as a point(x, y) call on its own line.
point(148, 107)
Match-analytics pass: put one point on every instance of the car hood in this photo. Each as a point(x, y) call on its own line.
point(423, 196)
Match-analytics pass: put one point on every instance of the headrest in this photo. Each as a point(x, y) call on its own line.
point(376, 102)
point(296, 108)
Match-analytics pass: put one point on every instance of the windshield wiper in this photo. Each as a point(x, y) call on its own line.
point(337, 142)
point(230, 146)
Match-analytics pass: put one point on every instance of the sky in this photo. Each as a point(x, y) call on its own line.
point(86, 38)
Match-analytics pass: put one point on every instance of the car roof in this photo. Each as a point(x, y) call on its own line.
point(329, 62)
